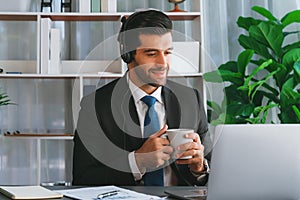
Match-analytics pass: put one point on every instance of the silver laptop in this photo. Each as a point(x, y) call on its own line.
point(255, 162)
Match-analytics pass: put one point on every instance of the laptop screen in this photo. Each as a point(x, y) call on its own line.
point(255, 162)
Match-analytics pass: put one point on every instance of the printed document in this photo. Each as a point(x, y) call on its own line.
point(91, 193)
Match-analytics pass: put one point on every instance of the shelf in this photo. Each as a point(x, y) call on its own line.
point(52, 136)
point(106, 75)
point(82, 16)
point(111, 16)
point(179, 16)
point(18, 16)
point(57, 76)
point(33, 16)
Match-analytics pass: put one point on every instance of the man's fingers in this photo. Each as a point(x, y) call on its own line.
point(160, 132)
point(168, 149)
point(190, 145)
point(193, 136)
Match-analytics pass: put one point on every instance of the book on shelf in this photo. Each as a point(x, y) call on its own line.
point(55, 64)
point(84, 6)
point(29, 192)
point(45, 45)
point(96, 6)
point(108, 5)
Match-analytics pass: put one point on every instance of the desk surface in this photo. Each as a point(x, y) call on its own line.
point(158, 191)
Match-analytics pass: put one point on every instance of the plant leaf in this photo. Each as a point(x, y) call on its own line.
point(256, 70)
point(230, 66)
point(297, 67)
point(244, 110)
point(297, 112)
point(270, 35)
point(233, 95)
point(291, 46)
point(4, 100)
point(243, 60)
point(232, 77)
point(213, 76)
point(216, 108)
point(253, 120)
point(220, 120)
point(291, 17)
point(290, 33)
point(250, 43)
point(261, 112)
point(246, 22)
point(290, 58)
point(255, 87)
point(266, 13)
point(288, 96)
point(273, 97)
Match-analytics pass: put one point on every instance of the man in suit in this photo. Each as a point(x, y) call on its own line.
point(112, 144)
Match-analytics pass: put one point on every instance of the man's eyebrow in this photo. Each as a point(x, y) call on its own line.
point(152, 49)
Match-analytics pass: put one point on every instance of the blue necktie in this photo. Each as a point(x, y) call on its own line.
point(151, 125)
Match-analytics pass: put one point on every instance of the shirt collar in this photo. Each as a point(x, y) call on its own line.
point(138, 93)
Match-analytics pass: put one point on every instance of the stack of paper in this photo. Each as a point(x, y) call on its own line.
point(29, 192)
point(91, 193)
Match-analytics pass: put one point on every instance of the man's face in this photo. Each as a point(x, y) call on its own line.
point(151, 61)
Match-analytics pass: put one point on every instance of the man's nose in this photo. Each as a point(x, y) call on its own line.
point(162, 59)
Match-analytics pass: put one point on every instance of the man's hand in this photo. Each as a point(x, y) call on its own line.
point(194, 149)
point(154, 152)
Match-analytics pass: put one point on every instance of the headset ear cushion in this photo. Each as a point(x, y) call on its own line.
point(125, 55)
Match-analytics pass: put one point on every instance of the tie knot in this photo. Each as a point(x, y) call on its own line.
point(149, 100)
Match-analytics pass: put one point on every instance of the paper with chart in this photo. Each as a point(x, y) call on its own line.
point(91, 193)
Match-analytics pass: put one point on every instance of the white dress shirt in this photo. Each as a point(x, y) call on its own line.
point(142, 108)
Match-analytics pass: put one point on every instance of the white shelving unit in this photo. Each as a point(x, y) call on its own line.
point(31, 69)
point(38, 139)
point(7, 16)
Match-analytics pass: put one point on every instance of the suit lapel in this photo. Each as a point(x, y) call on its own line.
point(173, 115)
point(125, 111)
point(172, 107)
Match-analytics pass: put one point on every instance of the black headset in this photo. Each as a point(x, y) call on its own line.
point(126, 54)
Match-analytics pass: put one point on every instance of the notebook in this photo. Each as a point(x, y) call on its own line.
point(28, 192)
point(187, 193)
point(255, 162)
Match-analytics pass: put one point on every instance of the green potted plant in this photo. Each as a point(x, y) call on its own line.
point(4, 100)
point(265, 76)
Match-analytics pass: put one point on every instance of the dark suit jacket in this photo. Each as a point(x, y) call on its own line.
point(108, 130)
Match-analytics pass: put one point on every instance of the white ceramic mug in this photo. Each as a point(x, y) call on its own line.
point(176, 138)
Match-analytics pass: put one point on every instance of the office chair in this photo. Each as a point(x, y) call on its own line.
point(64, 4)
point(45, 3)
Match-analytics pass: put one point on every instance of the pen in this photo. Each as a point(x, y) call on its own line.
point(107, 194)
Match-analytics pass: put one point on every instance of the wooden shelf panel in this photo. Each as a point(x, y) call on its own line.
point(58, 76)
point(82, 17)
point(63, 76)
point(53, 136)
point(33, 16)
point(183, 16)
point(18, 16)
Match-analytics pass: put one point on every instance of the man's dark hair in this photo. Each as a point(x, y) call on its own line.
point(142, 22)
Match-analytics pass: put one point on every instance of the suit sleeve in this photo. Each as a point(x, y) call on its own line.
point(87, 169)
point(201, 127)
